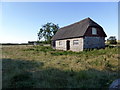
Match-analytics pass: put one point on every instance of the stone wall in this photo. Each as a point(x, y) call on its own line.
point(86, 43)
point(94, 42)
point(78, 47)
point(61, 44)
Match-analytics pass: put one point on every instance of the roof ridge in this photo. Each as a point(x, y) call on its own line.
point(75, 23)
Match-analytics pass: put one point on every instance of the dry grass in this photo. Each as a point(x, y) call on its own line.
point(43, 67)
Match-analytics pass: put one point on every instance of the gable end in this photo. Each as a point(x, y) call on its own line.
point(99, 32)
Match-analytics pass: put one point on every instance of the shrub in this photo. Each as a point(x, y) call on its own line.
point(112, 40)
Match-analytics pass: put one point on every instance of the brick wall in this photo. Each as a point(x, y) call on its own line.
point(94, 42)
point(84, 43)
point(61, 44)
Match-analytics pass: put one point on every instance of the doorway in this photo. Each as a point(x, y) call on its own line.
point(53, 44)
point(68, 45)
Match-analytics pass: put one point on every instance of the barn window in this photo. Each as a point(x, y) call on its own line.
point(60, 42)
point(75, 42)
point(94, 31)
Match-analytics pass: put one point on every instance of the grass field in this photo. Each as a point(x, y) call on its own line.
point(43, 67)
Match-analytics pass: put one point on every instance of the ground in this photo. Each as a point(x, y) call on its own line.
point(43, 67)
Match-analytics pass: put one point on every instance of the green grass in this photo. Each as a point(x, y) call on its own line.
point(44, 67)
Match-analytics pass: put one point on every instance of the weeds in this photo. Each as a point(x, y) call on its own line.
point(44, 67)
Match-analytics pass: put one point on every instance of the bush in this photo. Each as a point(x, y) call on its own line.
point(112, 40)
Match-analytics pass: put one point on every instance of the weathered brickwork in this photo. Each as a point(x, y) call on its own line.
point(62, 45)
point(94, 42)
point(83, 43)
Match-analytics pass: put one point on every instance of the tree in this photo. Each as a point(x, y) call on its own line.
point(47, 31)
point(112, 40)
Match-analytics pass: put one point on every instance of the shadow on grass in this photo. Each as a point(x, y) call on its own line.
point(17, 73)
point(30, 74)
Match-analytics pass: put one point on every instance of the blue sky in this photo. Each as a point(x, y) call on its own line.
point(21, 21)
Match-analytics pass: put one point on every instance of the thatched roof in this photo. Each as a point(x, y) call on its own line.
point(75, 30)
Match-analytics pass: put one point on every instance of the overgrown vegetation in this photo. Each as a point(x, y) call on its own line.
point(112, 40)
point(44, 67)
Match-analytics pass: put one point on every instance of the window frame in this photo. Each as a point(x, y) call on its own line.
point(75, 43)
point(60, 42)
point(94, 31)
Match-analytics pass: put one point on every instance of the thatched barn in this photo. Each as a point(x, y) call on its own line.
point(85, 34)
